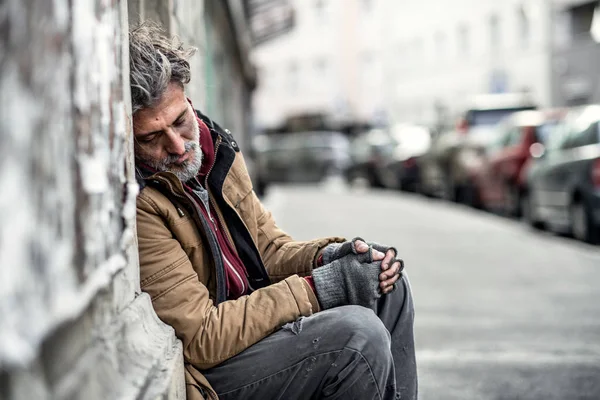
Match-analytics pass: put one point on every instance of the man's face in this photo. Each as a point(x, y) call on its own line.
point(167, 135)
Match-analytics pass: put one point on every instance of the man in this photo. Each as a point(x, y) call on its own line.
point(260, 315)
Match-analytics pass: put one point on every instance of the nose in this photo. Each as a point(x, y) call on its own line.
point(175, 143)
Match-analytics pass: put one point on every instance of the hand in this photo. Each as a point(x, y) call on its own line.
point(390, 266)
point(349, 280)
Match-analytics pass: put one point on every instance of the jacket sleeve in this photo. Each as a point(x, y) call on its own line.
point(210, 334)
point(282, 255)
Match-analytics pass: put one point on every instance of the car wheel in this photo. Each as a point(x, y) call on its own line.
point(470, 196)
point(449, 190)
point(582, 227)
point(528, 213)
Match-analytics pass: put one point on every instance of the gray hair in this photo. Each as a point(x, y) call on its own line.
point(154, 62)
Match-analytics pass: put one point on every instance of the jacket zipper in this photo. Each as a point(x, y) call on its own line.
point(210, 198)
point(217, 257)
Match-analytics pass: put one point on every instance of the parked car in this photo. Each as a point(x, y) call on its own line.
point(398, 167)
point(497, 183)
point(443, 173)
point(564, 181)
point(367, 151)
point(299, 157)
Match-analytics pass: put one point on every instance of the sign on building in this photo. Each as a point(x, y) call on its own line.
point(270, 19)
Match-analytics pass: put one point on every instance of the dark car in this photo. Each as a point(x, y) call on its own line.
point(398, 167)
point(498, 183)
point(368, 150)
point(442, 171)
point(299, 157)
point(564, 182)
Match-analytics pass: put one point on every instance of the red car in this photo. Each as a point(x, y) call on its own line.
point(498, 174)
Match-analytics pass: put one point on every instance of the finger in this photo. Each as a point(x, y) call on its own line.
point(361, 247)
point(387, 285)
point(389, 256)
point(393, 270)
point(377, 255)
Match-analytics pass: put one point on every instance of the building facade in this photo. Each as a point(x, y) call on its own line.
point(330, 63)
point(436, 60)
point(576, 52)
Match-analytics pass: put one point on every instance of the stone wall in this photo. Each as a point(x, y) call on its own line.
point(74, 322)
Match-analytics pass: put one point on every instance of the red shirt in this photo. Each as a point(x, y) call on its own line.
point(236, 277)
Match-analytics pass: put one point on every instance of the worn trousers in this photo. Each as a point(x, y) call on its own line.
point(348, 352)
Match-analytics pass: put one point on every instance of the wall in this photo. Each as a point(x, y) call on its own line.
point(74, 323)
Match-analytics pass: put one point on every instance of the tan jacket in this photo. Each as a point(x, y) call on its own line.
point(178, 272)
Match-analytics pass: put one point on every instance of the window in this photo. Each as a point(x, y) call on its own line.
point(293, 76)
point(440, 44)
point(495, 34)
point(321, 68)
point(582, 17)
point(524, 27)
point(417, 51)
point(320, 11)
point(463, 40)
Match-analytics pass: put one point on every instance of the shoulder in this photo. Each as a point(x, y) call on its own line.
point(217, 130)
point(151, 201)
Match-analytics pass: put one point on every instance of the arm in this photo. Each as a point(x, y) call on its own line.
point(210, 334)
point(282, 255)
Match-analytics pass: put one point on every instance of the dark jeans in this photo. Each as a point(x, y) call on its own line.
point(347, 352)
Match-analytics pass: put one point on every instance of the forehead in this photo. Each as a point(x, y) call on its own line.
point(171, 104)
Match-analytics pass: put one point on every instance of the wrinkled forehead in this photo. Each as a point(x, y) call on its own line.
point(172, 103)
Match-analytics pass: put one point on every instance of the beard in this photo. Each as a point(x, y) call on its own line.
point(187, 169)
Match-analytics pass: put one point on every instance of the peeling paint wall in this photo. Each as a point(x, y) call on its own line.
point(74, 323)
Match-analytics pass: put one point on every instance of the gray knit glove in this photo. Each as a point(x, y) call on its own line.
point(336, 251)
point(349, 280)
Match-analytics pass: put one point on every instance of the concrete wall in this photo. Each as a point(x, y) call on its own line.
point(74, 323)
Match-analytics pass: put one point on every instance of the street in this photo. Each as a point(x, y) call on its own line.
point(502, 312)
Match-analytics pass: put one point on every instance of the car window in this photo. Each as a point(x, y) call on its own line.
point(585, 137)
point(514, 136)
point(559, 137)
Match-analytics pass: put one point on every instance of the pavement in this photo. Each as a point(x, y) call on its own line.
point(502, 311)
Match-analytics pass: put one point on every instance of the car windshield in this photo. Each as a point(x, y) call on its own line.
point(491, 117)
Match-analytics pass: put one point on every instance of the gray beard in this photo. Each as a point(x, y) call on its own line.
point(189, 168)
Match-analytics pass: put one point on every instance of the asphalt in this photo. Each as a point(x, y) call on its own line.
point(502, 311)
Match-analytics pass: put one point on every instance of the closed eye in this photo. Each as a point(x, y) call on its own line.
point(148, 138)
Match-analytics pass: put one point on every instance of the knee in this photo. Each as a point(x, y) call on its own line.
point(362, 328)
point(403, 296)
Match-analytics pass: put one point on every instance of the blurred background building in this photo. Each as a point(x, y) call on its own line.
point(329, 63)
point(386, 61)
point(576, 52)
point(439, 54)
